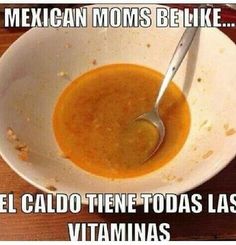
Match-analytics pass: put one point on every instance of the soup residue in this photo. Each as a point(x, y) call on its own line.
point(93, 121)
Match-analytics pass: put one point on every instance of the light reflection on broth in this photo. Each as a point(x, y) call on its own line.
point(93, 116)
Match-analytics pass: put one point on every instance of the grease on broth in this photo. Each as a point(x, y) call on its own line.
point(93, 113)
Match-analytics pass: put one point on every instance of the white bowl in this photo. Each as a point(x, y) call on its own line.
point(30, 86)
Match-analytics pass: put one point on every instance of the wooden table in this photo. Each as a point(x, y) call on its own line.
point(54, 227)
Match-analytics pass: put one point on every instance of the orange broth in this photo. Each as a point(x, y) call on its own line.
point(93, 113)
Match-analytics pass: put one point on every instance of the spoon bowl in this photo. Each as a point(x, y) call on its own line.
point(153, 117)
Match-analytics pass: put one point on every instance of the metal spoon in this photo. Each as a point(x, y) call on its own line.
point(153, 116)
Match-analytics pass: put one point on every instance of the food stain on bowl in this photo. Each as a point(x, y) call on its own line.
point(21, 148)
point(207, 154)
point(229, 131)
point(51, 188)
point(94, 111)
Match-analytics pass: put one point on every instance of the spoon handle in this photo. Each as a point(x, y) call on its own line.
point(179, 54)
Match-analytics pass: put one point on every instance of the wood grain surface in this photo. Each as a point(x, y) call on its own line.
point(202, 226)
